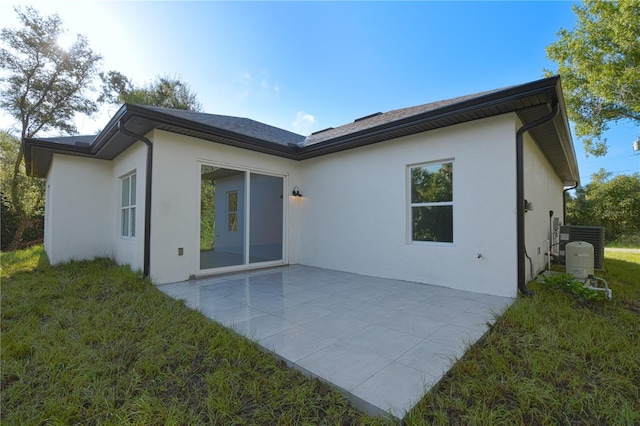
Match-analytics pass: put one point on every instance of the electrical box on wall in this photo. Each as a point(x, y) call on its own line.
point(594, 235)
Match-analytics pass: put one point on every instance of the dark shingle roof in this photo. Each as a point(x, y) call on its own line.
point(239, 125)
point(379, 119)
point(82, 140)
point(529, 101)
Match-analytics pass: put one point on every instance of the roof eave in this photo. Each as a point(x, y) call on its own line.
point(110, 142)
point(567, 141)
point(545, 87)
point(223, 136)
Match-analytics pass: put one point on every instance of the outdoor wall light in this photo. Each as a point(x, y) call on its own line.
point(528, 206)
point(296, 192)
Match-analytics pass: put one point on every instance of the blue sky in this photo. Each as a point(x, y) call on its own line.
point(305, 66)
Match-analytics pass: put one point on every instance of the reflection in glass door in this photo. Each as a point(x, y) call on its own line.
point(241, 217)
point(222, 217)
point(265, 235)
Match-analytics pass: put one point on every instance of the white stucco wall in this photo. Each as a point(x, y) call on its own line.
point(78, 200)
point(355, 209)
point(176, 197)
point(354, 214)
point(543, 188)
point(82, 208)
point(128, 250)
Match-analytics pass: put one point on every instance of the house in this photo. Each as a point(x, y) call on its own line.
point(459, 193)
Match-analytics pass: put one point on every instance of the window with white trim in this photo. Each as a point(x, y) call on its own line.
point(128, 206)
point(431, 202)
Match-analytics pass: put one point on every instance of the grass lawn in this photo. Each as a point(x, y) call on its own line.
point(550, 360)
point(94, 343)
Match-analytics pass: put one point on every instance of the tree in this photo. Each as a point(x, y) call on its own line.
point(599, 64)
point(30, 203)
point(43, 86)
point(164, 92)
point(610, 202)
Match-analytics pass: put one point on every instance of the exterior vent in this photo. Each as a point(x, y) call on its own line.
point(323, 130)
point(367, 116)
point(594, 235)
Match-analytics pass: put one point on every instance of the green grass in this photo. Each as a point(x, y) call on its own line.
point(94, 343)
point(551, 359)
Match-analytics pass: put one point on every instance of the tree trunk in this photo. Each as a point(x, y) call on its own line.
point(24, 224)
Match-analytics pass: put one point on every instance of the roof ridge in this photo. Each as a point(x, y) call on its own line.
point(182, 112)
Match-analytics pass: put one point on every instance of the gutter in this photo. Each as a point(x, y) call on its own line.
point(522, 284)
point(147, 194)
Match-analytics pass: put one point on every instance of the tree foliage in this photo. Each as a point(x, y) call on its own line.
point(163, 92)
point(610, 202)
point(599, 61)
point(25, 211)
point(207, 209)
point(43, 86)
point(31, 190)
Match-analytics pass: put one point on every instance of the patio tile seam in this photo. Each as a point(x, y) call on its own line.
point(391, 360)
point(428, 381)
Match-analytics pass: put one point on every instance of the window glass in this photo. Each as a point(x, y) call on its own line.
point(125, 192)
point(133, 221)
point(266, 206)
point(232, 210)
point(241, 217)
point(432, 223)
point(432, 183)
point(125, 222)
point(222, 217)
point(431, 202)
point(133, 190)
point(128, 207)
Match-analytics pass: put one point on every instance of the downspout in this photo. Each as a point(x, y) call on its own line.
point(147, 202)
point(564, 203)
point(522, 284)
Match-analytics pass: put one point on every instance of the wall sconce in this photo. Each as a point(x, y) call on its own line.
point(296, 192)
point(528, 206)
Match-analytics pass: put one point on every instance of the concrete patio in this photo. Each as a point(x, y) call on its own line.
point(382, 342)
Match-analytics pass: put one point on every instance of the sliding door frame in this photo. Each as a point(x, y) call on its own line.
point(247, 265)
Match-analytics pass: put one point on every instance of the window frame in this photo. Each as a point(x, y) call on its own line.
point(411, 205)
point(128, 211)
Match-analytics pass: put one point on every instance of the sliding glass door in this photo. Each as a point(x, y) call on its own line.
point(266, 213)
point(241, 217)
